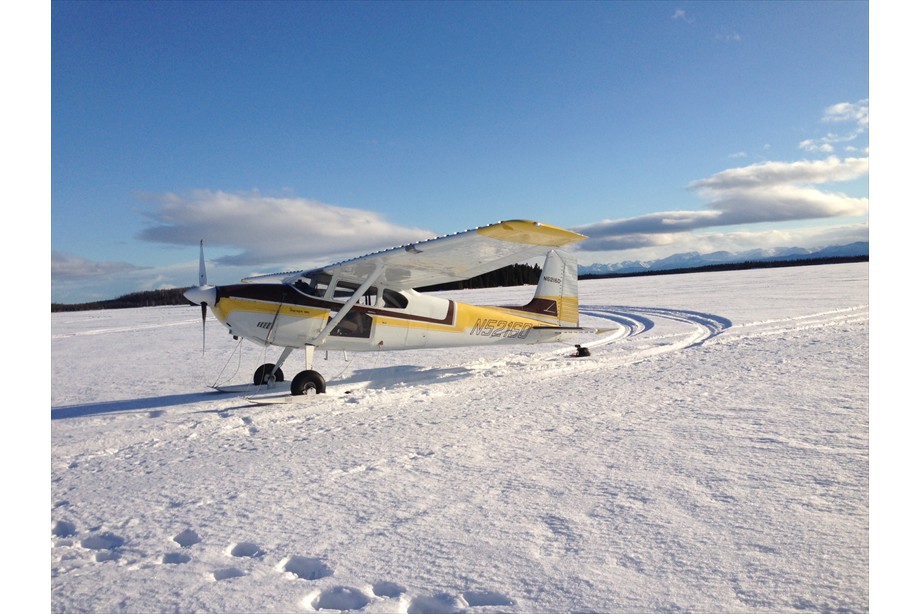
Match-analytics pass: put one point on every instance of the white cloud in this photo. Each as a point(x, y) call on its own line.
point(268, 234)
point(848, 112)
point(772, 174)
point(856, 114)
point(728, 37)
point(812, 146)
point(270, 230)
point(759, 193)
point(736, 242)
point(681, 14)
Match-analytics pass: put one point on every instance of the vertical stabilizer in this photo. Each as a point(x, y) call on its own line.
point(556, 299)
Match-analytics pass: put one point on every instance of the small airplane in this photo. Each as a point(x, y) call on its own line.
point(370, 304)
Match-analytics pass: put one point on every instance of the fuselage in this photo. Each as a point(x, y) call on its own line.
point(294, 315)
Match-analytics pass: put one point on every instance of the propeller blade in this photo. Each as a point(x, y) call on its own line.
point(202, 272)
point(204, 318)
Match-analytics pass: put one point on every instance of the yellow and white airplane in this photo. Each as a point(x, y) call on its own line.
point(369, 303)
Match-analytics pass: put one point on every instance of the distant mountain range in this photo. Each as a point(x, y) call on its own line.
point(690, 260)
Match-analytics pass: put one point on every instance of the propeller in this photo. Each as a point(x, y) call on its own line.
point(202, 294)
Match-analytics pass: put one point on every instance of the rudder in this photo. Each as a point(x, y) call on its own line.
point(556, 299)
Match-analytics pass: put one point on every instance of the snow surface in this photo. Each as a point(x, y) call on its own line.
point(711, 455)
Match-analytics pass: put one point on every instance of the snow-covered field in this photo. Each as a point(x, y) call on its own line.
point(712, 454)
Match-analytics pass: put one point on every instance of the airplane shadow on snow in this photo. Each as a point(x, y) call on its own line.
point(129, 405)
point(384, 377)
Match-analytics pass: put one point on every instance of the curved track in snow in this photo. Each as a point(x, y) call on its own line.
point(785, 326)
point(630, 335)
point(685, 328)
point(644, 332)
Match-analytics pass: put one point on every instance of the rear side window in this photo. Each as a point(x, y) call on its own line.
point(394, 299)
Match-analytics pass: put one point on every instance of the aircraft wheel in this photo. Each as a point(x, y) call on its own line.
point(307, 382)
point(263, 374)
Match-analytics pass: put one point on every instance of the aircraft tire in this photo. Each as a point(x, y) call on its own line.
point(261, 375)
point(306, 382)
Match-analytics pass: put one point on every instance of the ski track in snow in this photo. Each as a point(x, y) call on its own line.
point(688, 329)
point(215, 526)
point(123, 329)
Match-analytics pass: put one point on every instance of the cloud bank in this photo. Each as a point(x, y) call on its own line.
point(270, 230)
point(67, 266)
point(75, 279)
point(760, 193)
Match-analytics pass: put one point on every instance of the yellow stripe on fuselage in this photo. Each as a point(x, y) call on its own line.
point(226, 306)
point(566, 306)
point(468, 317)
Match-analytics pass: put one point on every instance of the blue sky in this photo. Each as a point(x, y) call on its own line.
point(289, 135)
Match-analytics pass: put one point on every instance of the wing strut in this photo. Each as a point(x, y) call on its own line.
point(321, 337)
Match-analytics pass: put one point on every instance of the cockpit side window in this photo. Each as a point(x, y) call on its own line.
point(345, 290)
point(318, 285)
point(313, 285)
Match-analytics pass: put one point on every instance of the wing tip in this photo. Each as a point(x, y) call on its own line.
point(531, 232)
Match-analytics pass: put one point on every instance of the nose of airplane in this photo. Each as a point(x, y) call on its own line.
point(202, 295)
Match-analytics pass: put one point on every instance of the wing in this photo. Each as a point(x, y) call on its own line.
point(449, 258)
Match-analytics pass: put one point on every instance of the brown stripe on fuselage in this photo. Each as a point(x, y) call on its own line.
point(542, 306)
point(280, 293)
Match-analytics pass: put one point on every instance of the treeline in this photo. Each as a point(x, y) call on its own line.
point(148, 298)
point(735, 266)
point(511, 275)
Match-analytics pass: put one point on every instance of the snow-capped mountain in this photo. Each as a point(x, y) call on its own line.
point(695, 259)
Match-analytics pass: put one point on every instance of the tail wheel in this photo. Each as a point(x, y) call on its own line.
point(308, 382)
point(263, 375)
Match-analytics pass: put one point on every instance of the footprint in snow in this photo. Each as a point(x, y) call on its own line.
point(175, 558)
point(486, 598)
point(305, 568)
point(340, 598)
point(106, 555)
point(187, 538)
point(62, 528)
point(388, 589)
point(105, 545)
point(102, 541)
point(227, 573)
point(245, 549)
point(247, 422)
point(441, 603)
